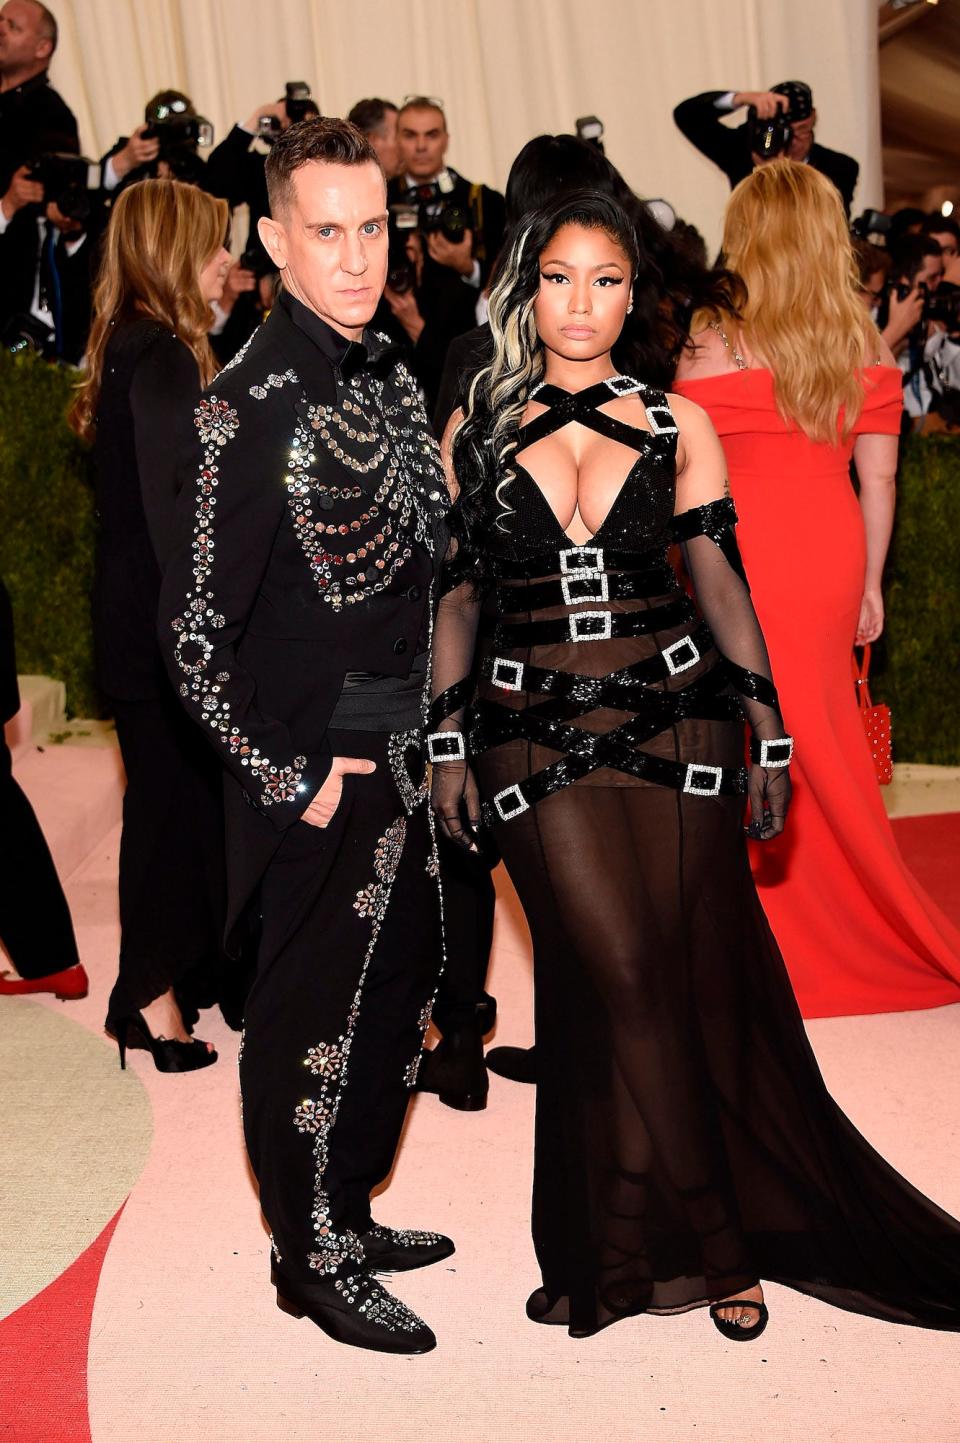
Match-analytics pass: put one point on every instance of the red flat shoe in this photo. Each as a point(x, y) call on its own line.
point(69, 985)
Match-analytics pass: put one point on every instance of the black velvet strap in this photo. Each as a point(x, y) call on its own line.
point(583, 407)
point(751, 684)
point(547, 563)
point(449, 701)
point(716, 520)
point(624, 689)
point(519, 635)
point(619, 586)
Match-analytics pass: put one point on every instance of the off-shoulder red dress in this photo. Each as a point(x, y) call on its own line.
point(856, 930)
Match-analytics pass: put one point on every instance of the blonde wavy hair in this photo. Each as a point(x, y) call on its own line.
point(785, 234)
point(161, 235)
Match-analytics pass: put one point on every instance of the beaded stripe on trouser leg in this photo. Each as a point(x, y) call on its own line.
point(348, 966)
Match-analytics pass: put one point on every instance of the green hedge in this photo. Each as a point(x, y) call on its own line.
point(46, 559)
point(918, 665)
point(47, 528)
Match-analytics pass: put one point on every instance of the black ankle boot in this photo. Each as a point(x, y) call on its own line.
point(356, 1310)
point(455, 1071)
point(517, 1064)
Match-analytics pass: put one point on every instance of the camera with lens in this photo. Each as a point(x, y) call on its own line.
point(943, 305)
point(298, 104)
point(173, 121)
point(68, 181)
point(451, 221)
point(768, 137)
point(590, 129)
point(871, 222)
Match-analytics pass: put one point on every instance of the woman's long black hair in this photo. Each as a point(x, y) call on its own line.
point(486, 439)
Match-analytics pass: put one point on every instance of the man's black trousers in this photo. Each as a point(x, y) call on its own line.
point(349, 959)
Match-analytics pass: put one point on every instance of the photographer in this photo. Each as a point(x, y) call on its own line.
point(462, 223)
point(780, 122)
point(377, 120)
point(33, 120)
point(165, 147)
point(235, 170)
point(929, 355)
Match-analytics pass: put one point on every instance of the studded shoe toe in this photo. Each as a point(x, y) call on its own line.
point(358, 1311)
point(400, 1250)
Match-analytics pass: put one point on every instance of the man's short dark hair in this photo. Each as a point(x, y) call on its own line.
point(424, 102)
point(48, 27)
point(937, 224)
point(910, 254)
point(370, 115)
point(325, 138)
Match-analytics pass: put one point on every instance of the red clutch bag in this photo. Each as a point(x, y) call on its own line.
point(876, 721)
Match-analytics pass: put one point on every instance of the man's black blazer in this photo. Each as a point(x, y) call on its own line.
point(702, 123)
point(257, 654)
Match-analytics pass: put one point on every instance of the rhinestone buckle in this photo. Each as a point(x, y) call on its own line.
point(510, 803)
point(623, 385)
point(602, 632)
point(573, 560)
point(596, 586)
point(681, 656)
point(670, 429)
point(702, 780)
point(777, 753)
point(506, 674)
point(446, 747)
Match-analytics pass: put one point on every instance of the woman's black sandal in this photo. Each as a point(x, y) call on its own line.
point(738, 1332)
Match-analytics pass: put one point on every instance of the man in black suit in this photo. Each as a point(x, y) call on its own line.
point(446, 234)
point(295, 616)
point(737, 152)
point(45, 258)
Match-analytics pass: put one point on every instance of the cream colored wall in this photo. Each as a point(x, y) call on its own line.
point(507, 70)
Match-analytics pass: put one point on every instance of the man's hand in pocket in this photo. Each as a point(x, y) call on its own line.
point(321, 809)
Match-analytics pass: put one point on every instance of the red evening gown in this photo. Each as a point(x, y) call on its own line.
point(857, 932)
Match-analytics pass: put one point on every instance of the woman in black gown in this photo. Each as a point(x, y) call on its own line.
point(686, 1146)
point(164, 263)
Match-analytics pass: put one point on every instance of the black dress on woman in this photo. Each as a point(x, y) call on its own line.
point(686, 1145)
point(172, 871)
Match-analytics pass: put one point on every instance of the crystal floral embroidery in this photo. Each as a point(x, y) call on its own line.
point(325, 1060)
point(371, 900)
point(217, 424)
point(329, 1062)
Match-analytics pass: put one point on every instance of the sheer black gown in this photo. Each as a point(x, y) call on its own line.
point(686, 1145)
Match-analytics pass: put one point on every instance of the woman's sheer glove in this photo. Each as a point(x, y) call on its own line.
point(455, 800)
point(769, 790)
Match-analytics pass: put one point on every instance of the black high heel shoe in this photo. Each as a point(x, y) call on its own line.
point(168, 1055)
point(738, 1332)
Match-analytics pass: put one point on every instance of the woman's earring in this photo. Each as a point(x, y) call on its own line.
point(629, 308)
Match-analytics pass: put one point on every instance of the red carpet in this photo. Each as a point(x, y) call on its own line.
point(931, 849)
point(46, 1402)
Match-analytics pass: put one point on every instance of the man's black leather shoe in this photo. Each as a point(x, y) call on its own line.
point(400, 1250)
point(455, 1071)
point(356, 1310)
point(517, 1064)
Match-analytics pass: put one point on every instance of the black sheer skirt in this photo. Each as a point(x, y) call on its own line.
point(686, 1145)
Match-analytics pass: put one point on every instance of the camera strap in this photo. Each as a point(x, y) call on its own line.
point(475, 202)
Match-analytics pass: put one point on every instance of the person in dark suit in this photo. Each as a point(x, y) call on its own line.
point(446, 232)
point(44, 257)
point(35, 926)
point(163, 265)
point(295, 617)
point(736, 151)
